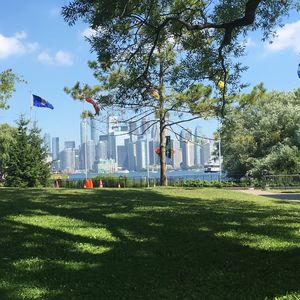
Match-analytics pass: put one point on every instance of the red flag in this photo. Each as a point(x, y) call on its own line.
point(96, 107)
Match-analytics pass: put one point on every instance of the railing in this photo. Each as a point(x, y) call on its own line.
point(282, 181)
point(137, 182)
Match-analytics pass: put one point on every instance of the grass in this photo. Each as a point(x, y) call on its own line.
point(167, 243)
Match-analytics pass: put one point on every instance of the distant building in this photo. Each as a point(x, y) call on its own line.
point(197, 147)
point(94, 130)
point(83, 132)
point(47, 142)
point(69, 144)
point(141, 155)
point(55, 148)
point(105, 166)
point(68, 160)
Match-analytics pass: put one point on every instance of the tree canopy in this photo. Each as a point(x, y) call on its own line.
point(262, 135)
point(208, 33)
point(7, 86)
point(7, 135)
point(26, 165)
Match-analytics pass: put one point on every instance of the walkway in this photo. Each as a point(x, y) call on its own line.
point(281, 196)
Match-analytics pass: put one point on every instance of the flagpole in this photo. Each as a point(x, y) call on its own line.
point(85, 143)
point(30, 107)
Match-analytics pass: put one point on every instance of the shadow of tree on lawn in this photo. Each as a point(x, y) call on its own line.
point(144, 244)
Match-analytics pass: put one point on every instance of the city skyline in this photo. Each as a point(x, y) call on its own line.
point(127, 146)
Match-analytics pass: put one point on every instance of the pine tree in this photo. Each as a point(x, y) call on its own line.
point(27, 166)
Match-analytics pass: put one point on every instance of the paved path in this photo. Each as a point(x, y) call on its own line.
point(281, 196)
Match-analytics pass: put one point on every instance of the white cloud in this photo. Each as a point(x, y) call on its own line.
point(15, 45)
point(88, 32)
point(58, 58)
point(64, 58)
point(287, 37)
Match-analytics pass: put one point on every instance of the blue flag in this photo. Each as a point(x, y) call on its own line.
point(40, 102)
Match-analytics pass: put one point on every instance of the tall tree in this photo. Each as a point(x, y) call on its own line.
point(262, 134)
point(27, 166)
point(8, 80)
point(158, 99)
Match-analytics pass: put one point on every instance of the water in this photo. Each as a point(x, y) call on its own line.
point(180, 174)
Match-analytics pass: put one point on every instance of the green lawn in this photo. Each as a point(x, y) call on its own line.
point(147, 244)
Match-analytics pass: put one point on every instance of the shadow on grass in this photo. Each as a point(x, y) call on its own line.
point(144, 244)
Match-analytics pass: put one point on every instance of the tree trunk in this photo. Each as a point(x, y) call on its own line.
point(162, 123)
point(162, 148)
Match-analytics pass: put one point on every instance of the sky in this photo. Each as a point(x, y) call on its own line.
point(40, 46)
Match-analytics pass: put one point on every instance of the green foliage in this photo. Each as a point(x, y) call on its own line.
point(7, 138)
point(262, 135)
point(7, 86)
point(205, 34)
point(27, 166)
point(207, 183)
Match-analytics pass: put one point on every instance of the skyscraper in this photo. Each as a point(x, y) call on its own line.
point(112, 124)
point(197, 147)
point(69, 144)
point(68, 160)
point(94, 130)
point(55, 148)
point(133, 131)
point(145, 126)
point(47, 142)
point(83, 132)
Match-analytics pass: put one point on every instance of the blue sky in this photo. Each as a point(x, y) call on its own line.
point(37, 44)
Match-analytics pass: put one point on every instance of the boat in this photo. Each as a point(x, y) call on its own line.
point(211, 167)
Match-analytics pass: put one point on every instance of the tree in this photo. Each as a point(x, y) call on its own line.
point(7, 86)
point(7, 134)
point(27, 166)
point(157, 98)
point(262, 134)
point(209, 32)
point(207, 35)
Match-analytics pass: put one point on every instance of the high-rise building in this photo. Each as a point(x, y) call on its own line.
point(207, 150)
point(177, 154)
point(83, 132)
point(112, 124)
point(153, 157)
point(155, 132)
point(91, 155)
point(69, 144)
point(94, 130)
point(141, 155)
point(55, 148)
point(145, 126)
point(197, 147)
point(68, 160)
point(101, 150)
point(133, 131)
point(187, 148)
point(131, 151)
point(47, 142)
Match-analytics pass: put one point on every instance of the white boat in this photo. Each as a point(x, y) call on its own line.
point(211, 167)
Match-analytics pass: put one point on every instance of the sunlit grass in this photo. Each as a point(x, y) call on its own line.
point(147, 244)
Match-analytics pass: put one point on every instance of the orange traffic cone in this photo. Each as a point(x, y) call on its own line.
point(100, 184)
point(91, 183)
